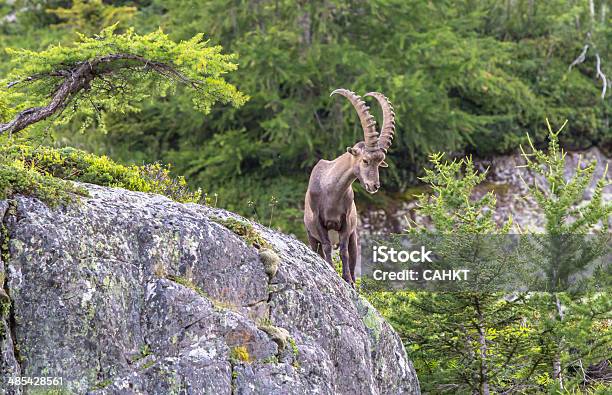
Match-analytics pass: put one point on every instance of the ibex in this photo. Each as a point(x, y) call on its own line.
point(330, 203)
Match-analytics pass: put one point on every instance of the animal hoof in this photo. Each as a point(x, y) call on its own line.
point(349, 281)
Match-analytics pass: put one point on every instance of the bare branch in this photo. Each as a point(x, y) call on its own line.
point(580, 57)
point(601, 75)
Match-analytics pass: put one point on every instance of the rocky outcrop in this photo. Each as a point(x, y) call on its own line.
point(504, 179)
point(131, 293)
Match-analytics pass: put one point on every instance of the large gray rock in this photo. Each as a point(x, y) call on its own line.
point(133, 293)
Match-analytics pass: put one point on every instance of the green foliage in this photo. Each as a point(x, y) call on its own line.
point(461, 342)
point(161, 181)
point(51, 168)
point(16, 178)
point(91, 16)
point(564, 251)
point(119, 84)
point(573, 327)
point(559, 198)
point(450, 204)
point(453, 337)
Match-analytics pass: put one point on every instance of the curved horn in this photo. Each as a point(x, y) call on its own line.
point(368, 124)
point(388, 126)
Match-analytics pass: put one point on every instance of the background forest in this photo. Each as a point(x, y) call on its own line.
point(465, 77)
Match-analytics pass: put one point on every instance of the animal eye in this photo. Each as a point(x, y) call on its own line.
point(365, 162)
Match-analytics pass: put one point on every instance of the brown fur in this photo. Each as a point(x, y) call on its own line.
point(329, 206)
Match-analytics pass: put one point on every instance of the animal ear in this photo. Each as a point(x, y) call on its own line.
point(383, 164)
point(351, 151)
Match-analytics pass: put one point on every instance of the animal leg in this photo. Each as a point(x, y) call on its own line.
point(315, 245)
point(353, 249)
point(326, 244)
point(327, 250)
point(344, 255)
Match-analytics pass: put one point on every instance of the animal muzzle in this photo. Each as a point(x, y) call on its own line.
point(372, 188)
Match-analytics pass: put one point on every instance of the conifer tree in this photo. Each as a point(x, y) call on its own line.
point(468, 340)
point(575, 239)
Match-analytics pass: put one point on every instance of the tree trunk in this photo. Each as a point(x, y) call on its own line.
point(304, 21)
point(557, 368)
point(482, 340)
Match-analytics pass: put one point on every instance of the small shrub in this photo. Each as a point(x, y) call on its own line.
point(163, 183)
point(15, 178)
point(45, 172)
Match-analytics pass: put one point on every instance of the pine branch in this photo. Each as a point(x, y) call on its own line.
point(79, 78)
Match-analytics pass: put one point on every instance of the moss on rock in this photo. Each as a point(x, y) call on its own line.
point(186, 282)
point(16, 178)
point(244, 230)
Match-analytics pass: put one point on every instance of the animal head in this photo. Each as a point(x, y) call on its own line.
point(368, 155)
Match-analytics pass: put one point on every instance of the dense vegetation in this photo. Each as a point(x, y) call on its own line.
point(242, 111)
point(482, 342)
point(469, 76)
